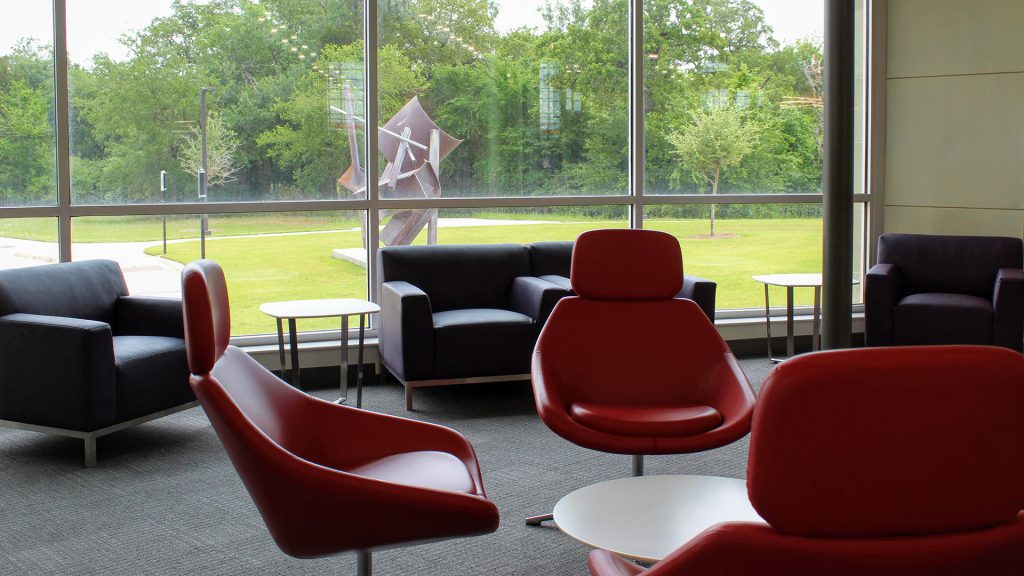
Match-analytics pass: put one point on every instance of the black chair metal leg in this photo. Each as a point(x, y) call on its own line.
point(638, 465)
point(364, 563)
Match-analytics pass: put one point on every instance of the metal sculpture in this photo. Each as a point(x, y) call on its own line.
point(414, 147)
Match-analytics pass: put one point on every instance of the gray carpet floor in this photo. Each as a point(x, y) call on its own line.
point(165, 500)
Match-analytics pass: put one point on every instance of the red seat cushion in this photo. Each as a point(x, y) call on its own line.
point(679, 420)
point(426, 469)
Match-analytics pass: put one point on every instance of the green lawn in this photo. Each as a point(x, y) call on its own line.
point(150, 228)
point(264, 269)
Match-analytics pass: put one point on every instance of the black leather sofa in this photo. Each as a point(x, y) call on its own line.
point(945, 290)
point(79, 357)
point(458, 314)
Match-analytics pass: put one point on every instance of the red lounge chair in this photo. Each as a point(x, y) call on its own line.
point(326, 478)
point(882, 461)
point(625, 367)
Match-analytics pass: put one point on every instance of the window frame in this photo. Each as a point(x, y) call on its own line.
point(636, 200)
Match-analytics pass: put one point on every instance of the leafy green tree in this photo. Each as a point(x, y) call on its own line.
point(716, 139)
point(305, 143)
point(27, 173)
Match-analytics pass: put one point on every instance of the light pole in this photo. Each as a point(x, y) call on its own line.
point(203, 221)
point(163, 198)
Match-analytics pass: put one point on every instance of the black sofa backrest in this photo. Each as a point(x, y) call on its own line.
point(551, 258)
point(458, 276)
point(88, 290)
point(949, 264)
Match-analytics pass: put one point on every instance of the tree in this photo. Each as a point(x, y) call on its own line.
point(26, 146)
point(717, 139)
point(221, 146)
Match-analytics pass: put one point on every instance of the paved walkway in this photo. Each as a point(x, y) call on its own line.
point(145, 275)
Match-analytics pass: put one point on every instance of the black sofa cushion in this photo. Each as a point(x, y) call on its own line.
point(87, 290)
point(458, 276)
point(942, 319)
point(150, 374)
point(551, 258)
point(482, 342)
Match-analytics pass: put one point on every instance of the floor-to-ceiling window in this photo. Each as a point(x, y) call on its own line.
point(497, 122)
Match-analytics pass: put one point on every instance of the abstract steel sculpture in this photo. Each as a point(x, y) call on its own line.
point(414, 147)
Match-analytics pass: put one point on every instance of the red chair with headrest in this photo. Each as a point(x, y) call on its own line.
point(882, 461)
point(669, 386)
point(326, 478)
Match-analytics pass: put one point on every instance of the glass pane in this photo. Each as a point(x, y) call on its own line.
point(733, 96)
point(748, 240)
point(267, 257)
point(28, 173)
point(860, 72)
point(498, 225)
point(503, 99)
point(271, 132)
point(860, 250)
point(28, 242)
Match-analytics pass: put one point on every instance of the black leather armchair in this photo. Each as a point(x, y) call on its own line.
point(552, 261)
point(79, 357)
point(945, 290)
point(460, 313)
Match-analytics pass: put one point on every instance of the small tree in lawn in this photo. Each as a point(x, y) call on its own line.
point(221, 146)
point(716, 139)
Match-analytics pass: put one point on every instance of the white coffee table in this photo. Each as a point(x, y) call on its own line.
point(647, 517)
point(789, 282)
point(344, 307)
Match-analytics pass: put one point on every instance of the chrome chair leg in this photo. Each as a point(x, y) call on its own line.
point(536, 520)
point(638, 465)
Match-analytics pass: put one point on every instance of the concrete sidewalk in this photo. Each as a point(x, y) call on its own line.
point(145, 275)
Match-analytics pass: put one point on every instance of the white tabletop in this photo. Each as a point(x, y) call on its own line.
point(647, 517)
point(319, 308)
point(790, 280)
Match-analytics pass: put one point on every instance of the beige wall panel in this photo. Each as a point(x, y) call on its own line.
point(939, 37)
point(956, 141)
point(961, 221)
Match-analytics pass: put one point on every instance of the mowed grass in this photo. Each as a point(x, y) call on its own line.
point(150, 228)
point(267, 268)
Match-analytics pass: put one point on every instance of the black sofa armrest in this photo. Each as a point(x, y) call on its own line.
point(148, 316)
point(406, 330)
point(1008, 306)
point(535, 297)
point(56, 371)
point(702, 291)
point(882, 289)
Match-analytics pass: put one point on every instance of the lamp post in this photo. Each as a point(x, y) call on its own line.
point(203, 219)
point(163, 198)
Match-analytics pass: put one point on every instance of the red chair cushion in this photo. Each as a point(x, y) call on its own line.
point(626, 265)
point(681, 420)
point(426, 469)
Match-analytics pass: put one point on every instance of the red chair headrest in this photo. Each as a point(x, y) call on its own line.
point(626, 265)
point(890, 441)
point(207, 314)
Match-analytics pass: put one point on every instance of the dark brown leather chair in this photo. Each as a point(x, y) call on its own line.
point(945, 290)
point(80, 357)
